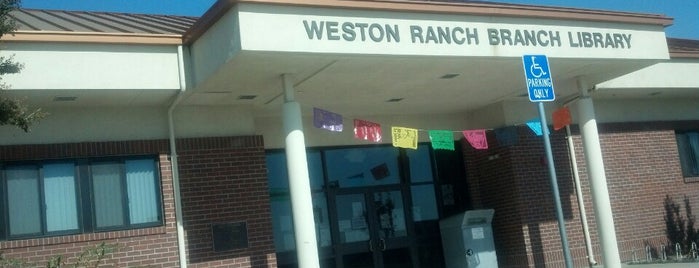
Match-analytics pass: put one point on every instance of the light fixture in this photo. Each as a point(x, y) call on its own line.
point(395, 100)
point(65, 98)
point(449, 76)
point(247, 97)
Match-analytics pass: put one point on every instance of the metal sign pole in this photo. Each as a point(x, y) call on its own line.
point(554, 187)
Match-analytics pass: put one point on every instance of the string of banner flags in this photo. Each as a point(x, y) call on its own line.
point(405, 137)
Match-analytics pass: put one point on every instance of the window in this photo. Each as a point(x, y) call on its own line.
point(688, 146)
point(23, 199)
point(281, 203)
point(422, 186)
point(79, 196)
point(41, 199)
point(360, 167)
point(124, 194)
point(60, 197)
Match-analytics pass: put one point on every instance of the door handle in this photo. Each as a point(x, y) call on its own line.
point(382, 243)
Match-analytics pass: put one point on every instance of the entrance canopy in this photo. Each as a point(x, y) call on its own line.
point(432, 65)
point(386, 58)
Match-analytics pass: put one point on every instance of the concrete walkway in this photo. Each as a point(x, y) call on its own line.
point(660, 265)
point(656, 265)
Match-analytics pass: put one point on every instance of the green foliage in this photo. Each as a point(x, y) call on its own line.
point(11, 263)
point(13, 111)
point(7, 24)
point(692, 233)
point(674, 222)
point(679, 229)
point(91, 257)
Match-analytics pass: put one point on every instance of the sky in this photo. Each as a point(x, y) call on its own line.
point(685, 12)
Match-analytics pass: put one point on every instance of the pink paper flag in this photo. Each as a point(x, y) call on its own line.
point(476, 138)
point(365, 130)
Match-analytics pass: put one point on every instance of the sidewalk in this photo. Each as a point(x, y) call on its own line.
point(668, 265)
point(660, 265)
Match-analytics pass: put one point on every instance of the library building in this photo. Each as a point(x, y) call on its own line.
point(351, 134)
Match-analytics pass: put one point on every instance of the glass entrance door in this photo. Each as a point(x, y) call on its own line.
point(371, 227)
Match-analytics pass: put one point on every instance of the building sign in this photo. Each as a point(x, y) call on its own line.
point(300, 29)
point(417, 34)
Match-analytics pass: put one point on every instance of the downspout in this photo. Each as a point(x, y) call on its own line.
point(581, 205)
point(578, 191)
point(173, 158)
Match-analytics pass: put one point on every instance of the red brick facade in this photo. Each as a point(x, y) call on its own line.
point(222, 179)
point(642, 168)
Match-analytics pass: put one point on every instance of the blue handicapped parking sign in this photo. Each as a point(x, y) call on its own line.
point(538, 78)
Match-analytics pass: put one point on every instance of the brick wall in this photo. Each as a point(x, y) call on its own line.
point(156, 246)
point(490, 181)
point(222, 180)
point(642, 169)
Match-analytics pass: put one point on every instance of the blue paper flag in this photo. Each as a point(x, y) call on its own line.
point(535, 126)
point(506, 136)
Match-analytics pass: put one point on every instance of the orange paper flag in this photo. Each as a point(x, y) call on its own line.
point(561, 118)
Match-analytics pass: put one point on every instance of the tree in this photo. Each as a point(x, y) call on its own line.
point(13, 111)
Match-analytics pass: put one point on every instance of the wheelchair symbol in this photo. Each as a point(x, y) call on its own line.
point(535, 69)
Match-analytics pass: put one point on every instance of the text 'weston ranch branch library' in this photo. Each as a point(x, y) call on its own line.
point(420, 34)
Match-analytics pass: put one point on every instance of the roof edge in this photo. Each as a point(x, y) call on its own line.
point(683, 48)
point(684, 55)
point(91, 37)
point(466, 8)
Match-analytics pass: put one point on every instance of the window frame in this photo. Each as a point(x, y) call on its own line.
point(39, 167)
point(121, 162)
point(685, 154)
point(6, 204)
point(76, 184)
point(84, 196)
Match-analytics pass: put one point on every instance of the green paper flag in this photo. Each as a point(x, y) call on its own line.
point(442, 139)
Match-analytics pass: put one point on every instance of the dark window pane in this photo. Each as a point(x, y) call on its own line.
point(424, 202)
point(278, 173)
point(352, 218)
point(60, 197)
point(282, 222)
point(358, 167)
point(107, 191)
point(420, 164)
point(688, 146)
point(141, 188)
point(23, 200)
point(282, 225)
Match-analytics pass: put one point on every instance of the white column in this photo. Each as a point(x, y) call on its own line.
point(299, 180)
point(597, 177)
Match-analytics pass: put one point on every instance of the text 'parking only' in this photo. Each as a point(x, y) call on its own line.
point(538, 77)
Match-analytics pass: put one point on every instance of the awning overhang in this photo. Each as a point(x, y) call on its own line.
point(369, 60)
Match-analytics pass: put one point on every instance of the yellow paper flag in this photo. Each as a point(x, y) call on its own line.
point(404, 137)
